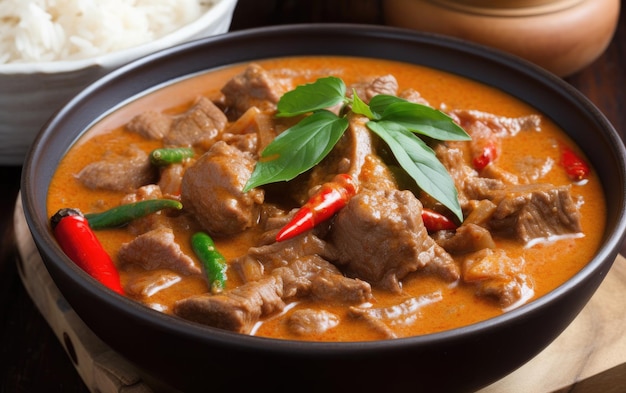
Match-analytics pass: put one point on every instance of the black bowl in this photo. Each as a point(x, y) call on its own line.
point(189, 357)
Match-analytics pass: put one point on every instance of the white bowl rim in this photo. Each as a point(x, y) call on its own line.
point(219, 9)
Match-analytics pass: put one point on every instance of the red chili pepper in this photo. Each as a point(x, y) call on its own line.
point(487, 155)
point(331, 198)
point(575, 167)
point(434, 221)
point(72, 232)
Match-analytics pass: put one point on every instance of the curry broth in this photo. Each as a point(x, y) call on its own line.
point(550, 264)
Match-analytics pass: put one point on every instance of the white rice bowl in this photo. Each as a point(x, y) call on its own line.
point(51, 49)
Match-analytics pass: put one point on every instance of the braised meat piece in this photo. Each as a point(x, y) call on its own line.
point(274, 274)
point(119, 172)
point(414, 96)
point(403, 313)
point(502, 126)
point(254, 87)
point(302, 262)
point(366, 90)
point(237, 310)
point(495, 275)
point(466, 238)
point(171, 179)
point(534, 211)
point(487, 131)
point(380, 238)
point(522, 211)
point(151, 283)
point(199, 126)
point(312, 276)
point(149, 191)
point(309, 321)
point(453, 159)
point(252, 132)
point(150, 124)
point(151, 221)
point(157, 249)
point(285, 273)
point(279, 254)
point(212, 191)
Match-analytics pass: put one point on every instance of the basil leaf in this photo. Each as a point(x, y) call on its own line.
point(298, 149)
point(420, 162)
point(360, 107)
point(321, 94)
point(380, 102)
point(424, 120)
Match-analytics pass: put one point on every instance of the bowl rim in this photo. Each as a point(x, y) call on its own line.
point(596, 266)
point(190, 30)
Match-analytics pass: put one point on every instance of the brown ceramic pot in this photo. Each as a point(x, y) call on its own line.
point(562, 36)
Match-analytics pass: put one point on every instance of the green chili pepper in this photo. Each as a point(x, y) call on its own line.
point(123, 214)
point(171, 155)
point(212, 260)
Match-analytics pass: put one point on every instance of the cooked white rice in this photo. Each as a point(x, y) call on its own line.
point(50, 30)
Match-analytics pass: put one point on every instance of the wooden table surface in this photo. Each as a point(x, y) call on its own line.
point(33, 360)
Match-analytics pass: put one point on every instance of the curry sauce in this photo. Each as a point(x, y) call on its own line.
point(446, 304)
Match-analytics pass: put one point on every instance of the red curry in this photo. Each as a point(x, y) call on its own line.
point(339, 281)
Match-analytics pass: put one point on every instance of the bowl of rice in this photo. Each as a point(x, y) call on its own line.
point(50, 50)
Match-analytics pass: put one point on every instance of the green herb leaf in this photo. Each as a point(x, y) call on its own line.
point(360, 107)
point(424, 120)
point(380, 102)
point(321, 94)
point(420, 162)
point(394, 119)
point(298, 149)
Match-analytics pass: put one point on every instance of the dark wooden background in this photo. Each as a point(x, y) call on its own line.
point(32, 359)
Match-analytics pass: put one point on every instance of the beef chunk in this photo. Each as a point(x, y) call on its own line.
point(254, 87)
point(240, 308)
point(414, 96)
point(380, 238)
point(244, 142)
point(302, 264)
point(252, 132)
point(171, 179)
point(453, 160)
point(151, 221)
point(466, 238)
point(335, 287)
point(478, 188)
point(308, 321)
point(534, 211)
point(236, 310)
point(500, 125)
point(157, 249)
point(199, 126)
point(146, 286)
point(366, 90)
point(496, 172)
point(149, 191)
point(212, 191)
point(485, 129)
point(281, 254)
point(399, 314)
point(119, 172)
point(150, 125)
point(497, 276)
